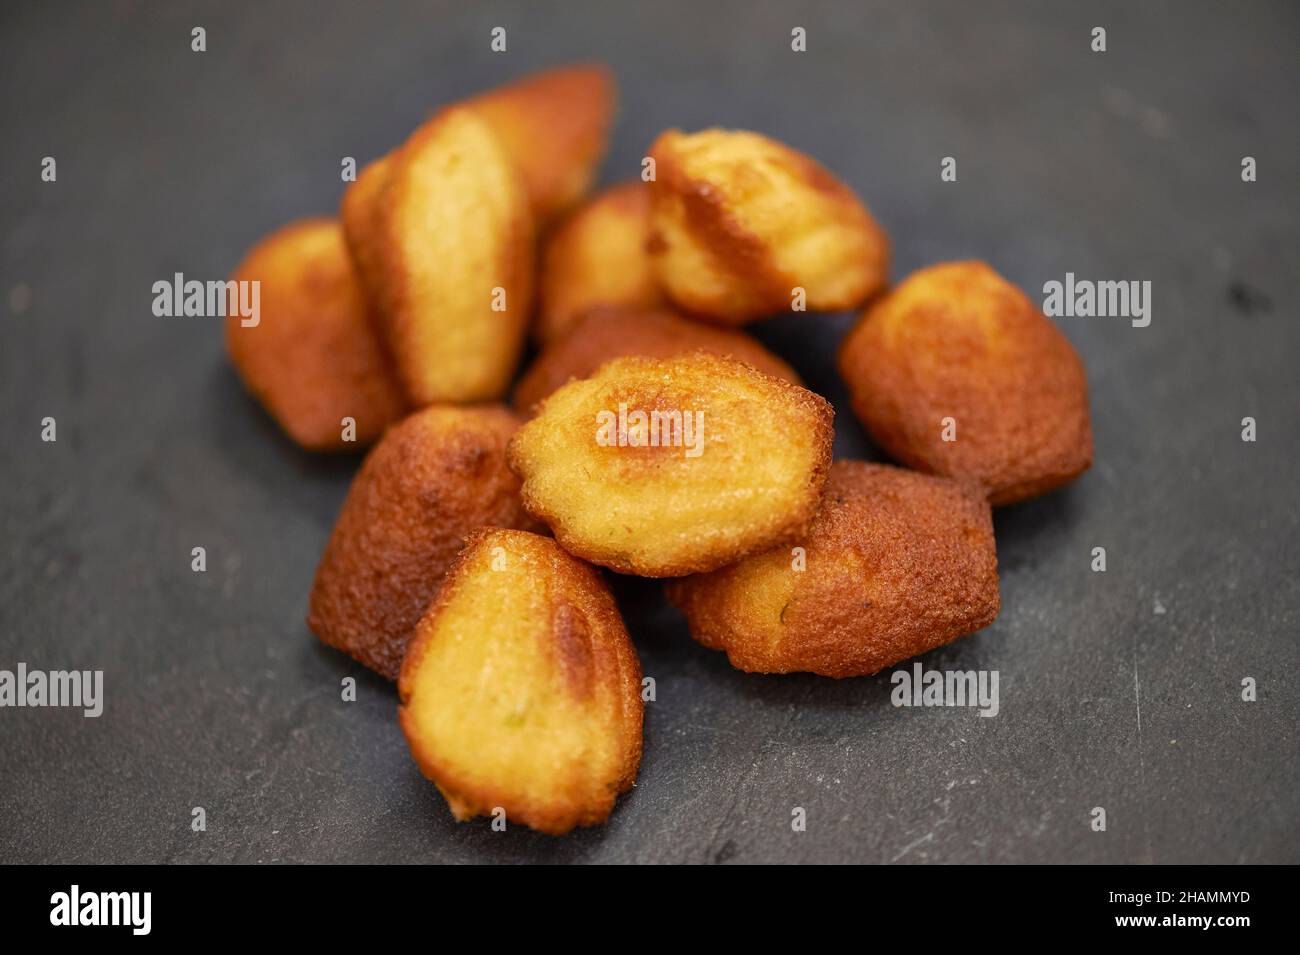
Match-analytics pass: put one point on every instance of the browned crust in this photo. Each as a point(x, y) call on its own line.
point(314, 358)
point(400, 309)
point(594, 651)
point(603, 334)
point(596, 257)
point(734, 249)
point(555, 125)
point(759, 284)
point(358, 211)
point(434, 478)
point(713, 551)
point(897, 563)
point(966, 344)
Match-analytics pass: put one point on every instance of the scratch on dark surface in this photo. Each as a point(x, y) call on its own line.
point(912, 845)
point(1137, 702)
point(737, 790)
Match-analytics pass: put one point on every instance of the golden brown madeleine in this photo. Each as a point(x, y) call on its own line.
point(895, 564)
point(956, 372)
point(454, 247)
point(663, 467)
point(359, 213)
point(555, 126)
point(738, 221)
point(521, 690)
point(601, 335)
point(312, 358)
point(596, 258)
point(433, 479)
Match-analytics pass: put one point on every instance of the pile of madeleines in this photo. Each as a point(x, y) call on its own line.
point(465, 561)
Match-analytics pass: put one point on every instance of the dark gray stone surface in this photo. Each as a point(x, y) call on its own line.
point(1119, 690)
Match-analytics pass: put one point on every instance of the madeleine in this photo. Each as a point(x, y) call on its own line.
point(662, 467)
point(359, 212)
point(554, 125)
point(521, 690)
point(433, 479)
point(958, 373)
point(596, 258)
point(895, 564)
point(313, 358)
point(598, 336)
point(739, 221)
point(442, 232)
